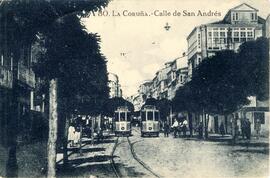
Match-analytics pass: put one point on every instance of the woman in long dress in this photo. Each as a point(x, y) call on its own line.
point(71, 135)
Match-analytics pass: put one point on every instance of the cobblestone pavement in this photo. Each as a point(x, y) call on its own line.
point(180, 157)
point(170, 157)
point(94, 162)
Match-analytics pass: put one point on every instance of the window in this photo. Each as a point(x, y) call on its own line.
point(233, 16)
point(143, 116)
point(156, 115)
point(128, 117)
point(249, 34)
point(236, 16)
point(116, 117)
point(222, 34)
point(122, 116)
point(236, 34)
point(243, 40)
point(223, 40)
point(210, 34)
point(243, 34)
point(252, 16)
point(150, 116)
point(215, 34)
point(236, 40)
point(216, 41)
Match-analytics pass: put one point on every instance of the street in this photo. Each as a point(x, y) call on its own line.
point(184, 157)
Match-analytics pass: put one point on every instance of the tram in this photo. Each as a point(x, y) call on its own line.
point(150, 118)
point(122, 121)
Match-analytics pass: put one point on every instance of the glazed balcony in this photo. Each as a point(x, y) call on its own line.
point(26, 75)
point(5, 77)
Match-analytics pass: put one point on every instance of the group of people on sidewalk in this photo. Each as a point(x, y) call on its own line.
point(177, 128)
point(181, 126)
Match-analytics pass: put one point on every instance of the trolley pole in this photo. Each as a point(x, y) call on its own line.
point(92, 130)
point(81, 139)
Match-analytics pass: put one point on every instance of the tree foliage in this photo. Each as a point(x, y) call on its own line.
point(113, 103)
point(254, 61)
point(222, 83)
point(163, 105)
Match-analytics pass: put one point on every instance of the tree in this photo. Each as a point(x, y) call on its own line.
point(216, 87)
point(253, 58)
point(113, 103)
point(29, 19)
point(163, 105)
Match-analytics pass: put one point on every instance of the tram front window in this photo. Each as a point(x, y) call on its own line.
point(143, 116)
point(156, 115)
point(128, 117)
point(116, 116)
point(122, 116)
point(150, 116)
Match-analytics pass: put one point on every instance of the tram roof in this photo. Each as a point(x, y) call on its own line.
point(122, 109)
point(149, 107)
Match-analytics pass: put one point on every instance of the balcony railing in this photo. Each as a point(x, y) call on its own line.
point(5, 77)
point(26, 75)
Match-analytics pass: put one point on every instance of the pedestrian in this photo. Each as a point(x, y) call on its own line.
point(258, 127)
point(175, 128)
point(166, 129)
point(77, 136)
point(222, 129)
point(248, 129)
point(243, 128)
point(184, 127)
point(71, 135)
point(200, 130)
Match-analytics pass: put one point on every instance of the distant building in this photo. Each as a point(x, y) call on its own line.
point(145, 88)
point(267, 27)
point(176, 76)
point(115, 88)
point(239, 25)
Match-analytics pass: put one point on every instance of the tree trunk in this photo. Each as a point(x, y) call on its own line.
point(206, 125)
point(65, 142)
point(12, 123)
point(190, 124)
point(52, 130)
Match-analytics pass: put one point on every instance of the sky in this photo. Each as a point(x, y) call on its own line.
point(137, 46)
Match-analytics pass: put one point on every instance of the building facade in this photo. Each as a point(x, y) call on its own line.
point(164, 84)
point(114, 85)
point(17, 79)
point(239, 25)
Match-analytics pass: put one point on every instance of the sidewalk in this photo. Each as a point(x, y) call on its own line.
point(95, 160)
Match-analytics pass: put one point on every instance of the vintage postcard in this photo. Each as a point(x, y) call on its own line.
point(134, 88)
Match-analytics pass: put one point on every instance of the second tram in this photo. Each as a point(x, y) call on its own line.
point(150, 118)
point(122, 121)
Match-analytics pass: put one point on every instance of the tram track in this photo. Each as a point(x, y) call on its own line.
point(145, 166)
point(112, 161)
point(116, 169)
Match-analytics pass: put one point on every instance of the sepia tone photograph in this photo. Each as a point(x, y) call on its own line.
point(134, 88)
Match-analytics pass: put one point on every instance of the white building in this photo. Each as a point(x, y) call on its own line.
point(115, 89)
point(239, 25)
